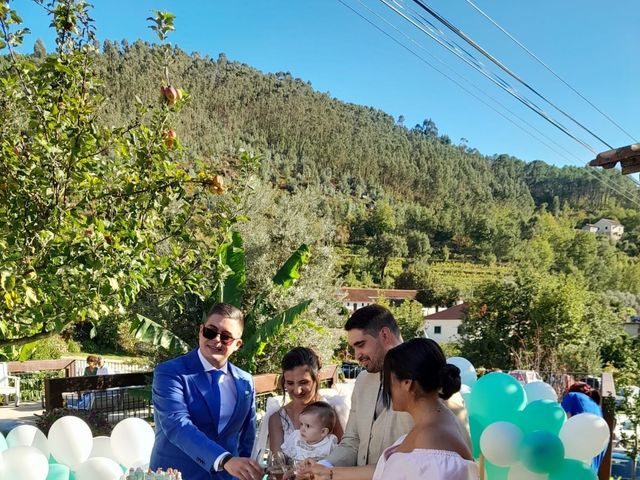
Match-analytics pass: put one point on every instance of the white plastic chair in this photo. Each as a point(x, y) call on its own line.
point(5, 388)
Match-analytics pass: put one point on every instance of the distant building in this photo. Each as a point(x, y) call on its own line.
point(606, 227)
point(354, 298)
point(632, 326)
point(444, 326)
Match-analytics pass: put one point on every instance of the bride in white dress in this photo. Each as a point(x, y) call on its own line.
point(416, 380)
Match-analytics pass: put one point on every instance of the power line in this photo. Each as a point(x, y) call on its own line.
point(474, 63)
point(534, 56)
point(602, 179)
point(463, 78)
point(498, 63)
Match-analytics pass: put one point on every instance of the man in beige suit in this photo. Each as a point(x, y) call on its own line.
point(372, 332)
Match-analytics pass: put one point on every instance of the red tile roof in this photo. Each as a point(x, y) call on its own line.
point(454, 313)
point(369, 295)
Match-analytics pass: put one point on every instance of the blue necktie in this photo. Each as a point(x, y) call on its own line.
point(215, 388)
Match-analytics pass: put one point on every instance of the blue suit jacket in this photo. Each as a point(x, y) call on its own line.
point(185, 435)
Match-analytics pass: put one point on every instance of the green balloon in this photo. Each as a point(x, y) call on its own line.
point(58, 472)
point(494, 472)
point(476, 428)
point(496, 397)
point(545, 415)
point(541, 452)
point(571, 469)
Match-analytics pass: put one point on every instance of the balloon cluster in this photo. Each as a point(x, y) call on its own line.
point(523, 433)
point(71, 452)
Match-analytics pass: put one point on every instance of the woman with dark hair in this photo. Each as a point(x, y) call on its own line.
point(300, 381)
point(416, 380)
point(581, 398)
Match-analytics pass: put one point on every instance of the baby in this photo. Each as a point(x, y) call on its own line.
point(314, 439)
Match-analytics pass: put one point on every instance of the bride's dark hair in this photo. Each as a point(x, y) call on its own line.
point(422, 360)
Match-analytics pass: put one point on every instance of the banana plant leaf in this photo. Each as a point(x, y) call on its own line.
point(146, 330)
point(290, 271)
point(269, 330)
point(231, 289)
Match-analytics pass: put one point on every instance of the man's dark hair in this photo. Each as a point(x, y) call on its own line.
point(372, 319)
point(325, 412)
point(226, 310)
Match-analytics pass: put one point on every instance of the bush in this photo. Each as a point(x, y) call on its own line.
point(73, 346)
point(97, 421)
point(50, 348)
point(32, 384)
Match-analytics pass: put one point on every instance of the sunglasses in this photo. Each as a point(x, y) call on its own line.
point(212, 333)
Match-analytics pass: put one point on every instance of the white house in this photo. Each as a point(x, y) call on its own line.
point(354, 298)
point(606, 227)
point(444, 326)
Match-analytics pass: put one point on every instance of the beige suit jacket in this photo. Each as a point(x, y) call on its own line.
point(364, 439)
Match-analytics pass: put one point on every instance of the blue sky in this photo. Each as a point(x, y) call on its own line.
point(593, 45)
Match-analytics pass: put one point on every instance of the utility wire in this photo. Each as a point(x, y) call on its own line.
point(480, 68)
point(498, 63)
point(541, 62)
point(462, 77)
point(606, 182)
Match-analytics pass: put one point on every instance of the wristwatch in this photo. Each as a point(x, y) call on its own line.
point(224, 461)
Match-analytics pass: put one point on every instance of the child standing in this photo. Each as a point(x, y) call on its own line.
point(314, 440)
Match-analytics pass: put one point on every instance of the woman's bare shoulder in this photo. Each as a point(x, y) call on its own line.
point(443, 435)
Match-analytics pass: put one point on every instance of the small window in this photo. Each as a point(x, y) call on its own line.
point(459, 330)
point(437, 330)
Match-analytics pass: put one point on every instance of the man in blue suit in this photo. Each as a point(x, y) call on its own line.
point(205, 409)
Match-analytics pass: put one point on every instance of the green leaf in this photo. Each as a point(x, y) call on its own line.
point(7, 281)
point(256, 343)
point(26, 351)
point(290, 271)
point(146, 330)
point(234, 283)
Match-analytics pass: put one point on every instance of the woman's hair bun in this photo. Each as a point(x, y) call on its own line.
point(450, 381)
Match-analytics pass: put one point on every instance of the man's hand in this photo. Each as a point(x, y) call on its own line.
point(244, 468)
point(313, 470)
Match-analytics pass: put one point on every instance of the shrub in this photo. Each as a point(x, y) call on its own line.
point(97, 421)
point(52, 347)
point(32, 383)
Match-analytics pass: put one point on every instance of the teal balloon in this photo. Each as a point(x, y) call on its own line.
point(72, 476)
point(52, 460)
point(571, 469)
point(3, 443)
point(541, 452)
point(494, 472)
point(496, 397)
point(544, 415)
point(475, 429)
point(58, 472)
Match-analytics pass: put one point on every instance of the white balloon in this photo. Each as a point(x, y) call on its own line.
point(98, 468)
point(132, 441)
point(102, 448)
point(584, 436)
point(467, 371)
point(70, 441)
point(520, 472)
point(540, 391)
point(28, 436)
point(500, 443)
point(24, 463)
point(465, 391)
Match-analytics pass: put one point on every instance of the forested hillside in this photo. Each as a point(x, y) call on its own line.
point(473, 205)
